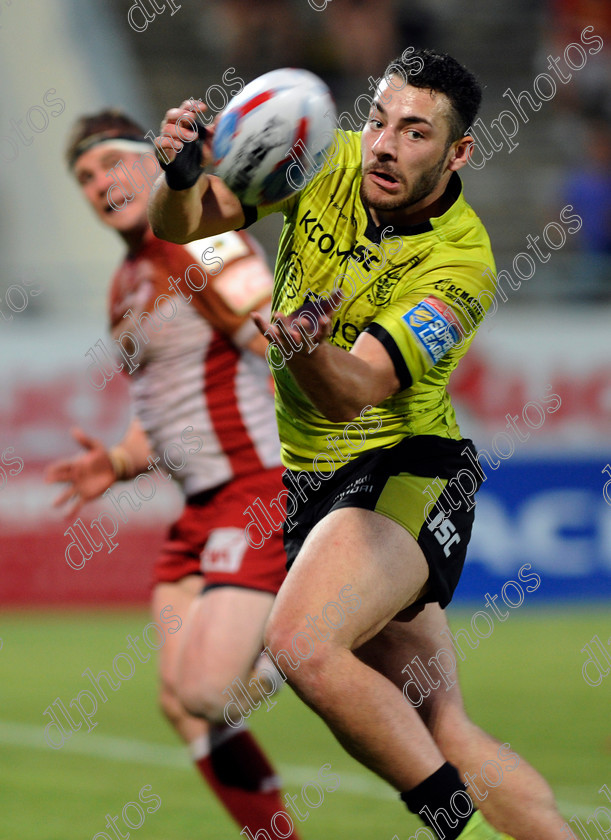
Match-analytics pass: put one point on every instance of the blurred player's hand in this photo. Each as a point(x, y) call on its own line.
point(177, 129)
point(88, 475)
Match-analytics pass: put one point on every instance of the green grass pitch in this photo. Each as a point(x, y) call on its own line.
point(524, 684)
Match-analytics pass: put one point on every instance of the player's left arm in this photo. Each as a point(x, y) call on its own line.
point(340, 383)
point(395, 351)
point(213, 307)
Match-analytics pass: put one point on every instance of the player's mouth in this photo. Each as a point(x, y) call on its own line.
point(384, 179)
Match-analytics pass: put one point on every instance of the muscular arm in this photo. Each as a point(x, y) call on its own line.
point(205, 209)
point(339, 383)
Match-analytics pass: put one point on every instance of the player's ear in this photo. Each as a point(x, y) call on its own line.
point(459, 153)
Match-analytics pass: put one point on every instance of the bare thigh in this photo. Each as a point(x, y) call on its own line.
point(377, 563)
point(351, 547)
point(180, 596)
point(222, 638)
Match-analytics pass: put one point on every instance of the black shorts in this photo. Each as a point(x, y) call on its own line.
point(425, 484)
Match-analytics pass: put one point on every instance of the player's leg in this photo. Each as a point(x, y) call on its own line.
point(224, 632)
point(180, 596)
point(366, 711)
point(386, 571)
point(224, 636)
point(221, 640)
point(517, 799)
point(229, 759)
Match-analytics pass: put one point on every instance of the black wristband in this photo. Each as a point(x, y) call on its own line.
point(184, 171)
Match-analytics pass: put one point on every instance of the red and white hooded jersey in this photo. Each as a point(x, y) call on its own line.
point(203, 399)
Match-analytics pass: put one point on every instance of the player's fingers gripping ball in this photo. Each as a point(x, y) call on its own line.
point(184, 171)
point(274, 136)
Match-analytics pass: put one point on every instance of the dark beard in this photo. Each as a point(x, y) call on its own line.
point(424, 186)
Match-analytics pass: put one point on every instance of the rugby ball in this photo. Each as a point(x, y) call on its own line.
point(273, 136)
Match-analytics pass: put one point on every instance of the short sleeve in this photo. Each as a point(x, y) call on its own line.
point(244, 279)
point(242, 283)
point(421, 327)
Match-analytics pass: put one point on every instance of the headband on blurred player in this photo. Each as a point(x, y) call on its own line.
point(110, 127)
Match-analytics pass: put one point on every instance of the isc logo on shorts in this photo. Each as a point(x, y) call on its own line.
point(444, 531)
point(224, 551)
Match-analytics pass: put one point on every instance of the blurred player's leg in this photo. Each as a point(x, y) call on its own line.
point(522, 802)
point(180, 595)
point(223, 638)
point(229, 759)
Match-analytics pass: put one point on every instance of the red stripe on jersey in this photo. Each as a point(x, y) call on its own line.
point(221, 367)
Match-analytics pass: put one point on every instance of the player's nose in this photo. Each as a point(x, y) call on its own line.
point(385, 144)
point(101, 183)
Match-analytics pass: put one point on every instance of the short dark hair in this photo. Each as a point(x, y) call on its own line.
point(110, 122)
point(440, 72)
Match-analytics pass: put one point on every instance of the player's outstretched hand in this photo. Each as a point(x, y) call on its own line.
point(88, 475)
point(181, 126)
point(306, 326)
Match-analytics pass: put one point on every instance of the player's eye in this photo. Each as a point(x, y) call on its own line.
point(413, 134)
point(111, 161)
point(375, 122)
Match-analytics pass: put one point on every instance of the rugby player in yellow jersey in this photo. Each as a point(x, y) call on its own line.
point(382, 234)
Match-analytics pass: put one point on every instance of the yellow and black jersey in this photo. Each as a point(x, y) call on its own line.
point(420, 290)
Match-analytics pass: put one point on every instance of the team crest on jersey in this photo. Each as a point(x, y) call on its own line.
point(383, 287)
point(294, 276)
point(434, 327)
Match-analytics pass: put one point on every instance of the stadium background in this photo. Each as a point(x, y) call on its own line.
point(544, 505)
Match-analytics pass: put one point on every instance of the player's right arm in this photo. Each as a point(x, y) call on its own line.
point(91, 473)
point(205, 209)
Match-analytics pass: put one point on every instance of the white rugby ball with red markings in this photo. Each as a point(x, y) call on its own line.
point(274, 135)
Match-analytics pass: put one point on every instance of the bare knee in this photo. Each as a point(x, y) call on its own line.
point(170, 705)
point(203, 697)
point(302, 659)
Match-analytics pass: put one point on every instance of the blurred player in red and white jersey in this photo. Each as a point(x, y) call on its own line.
point(204, 416)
